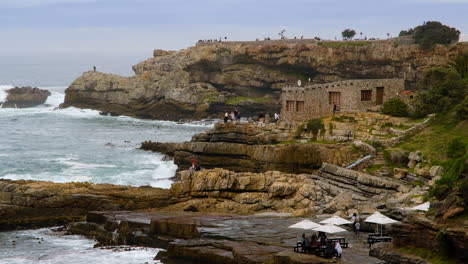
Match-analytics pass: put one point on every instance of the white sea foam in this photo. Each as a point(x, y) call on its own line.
point(3, 92)
point(44, 246)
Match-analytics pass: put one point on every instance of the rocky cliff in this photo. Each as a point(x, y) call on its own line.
point(206, 80)
point(241, 147)
point(30, 203)
point(329, 190)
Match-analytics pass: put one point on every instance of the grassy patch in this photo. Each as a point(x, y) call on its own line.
point(433, 141)
point(374, 167)
point(236, 100)
point(428, 254)
point(349, 119)
point(337, 44)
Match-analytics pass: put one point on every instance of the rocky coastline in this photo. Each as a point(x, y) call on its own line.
point(238, 213)
point(206, 80)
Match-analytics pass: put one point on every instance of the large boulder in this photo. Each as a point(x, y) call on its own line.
point(24, 97)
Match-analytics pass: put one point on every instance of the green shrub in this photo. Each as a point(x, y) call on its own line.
point(313, 125)
point(395, 107)
point(453, 169)
point(439, 91)
point(456, 148)
point(433, 32)
point(461, 110)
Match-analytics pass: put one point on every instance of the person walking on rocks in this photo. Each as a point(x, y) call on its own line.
point(355, 220)
point(233, 116)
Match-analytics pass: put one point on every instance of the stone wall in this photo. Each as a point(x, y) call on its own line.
point(314, 101)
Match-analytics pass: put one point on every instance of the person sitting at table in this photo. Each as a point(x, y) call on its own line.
point(338, 249)
point(305, 243)
point(323, 238)
point(313, 240)
point(329, 250)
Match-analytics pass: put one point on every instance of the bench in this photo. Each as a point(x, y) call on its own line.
point(376, 239)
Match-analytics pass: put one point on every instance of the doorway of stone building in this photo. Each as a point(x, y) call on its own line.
point(334, 98)
point(379, 96)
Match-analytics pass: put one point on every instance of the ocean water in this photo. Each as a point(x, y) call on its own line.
point(79, 145)
point(76, 145)
point(45, 246)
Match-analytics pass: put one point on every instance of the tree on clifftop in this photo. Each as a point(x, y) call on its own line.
point(431, 33)
point(348, 33)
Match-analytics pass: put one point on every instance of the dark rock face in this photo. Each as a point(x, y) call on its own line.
point(385, 251)
point(203, 81)
point(25, 97)
point(421, 232)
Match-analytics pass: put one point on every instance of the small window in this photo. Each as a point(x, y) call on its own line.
point(299, 106)
point(366, 95)
point(289, 105)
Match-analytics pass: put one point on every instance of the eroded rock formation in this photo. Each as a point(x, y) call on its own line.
point(331, 189)
point(25, 97)
point(204, 80)
point(31, 203)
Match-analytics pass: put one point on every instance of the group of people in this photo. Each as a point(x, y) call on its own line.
point(315, 241)
point(234, 115)
point(212, 40)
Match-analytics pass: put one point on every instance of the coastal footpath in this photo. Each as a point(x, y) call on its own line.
point(206, 80)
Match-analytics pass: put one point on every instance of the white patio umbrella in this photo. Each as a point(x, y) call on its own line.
point(305, 224)
point(329, 228)
point(335, 220)
point(380, 219)
point(422, 207)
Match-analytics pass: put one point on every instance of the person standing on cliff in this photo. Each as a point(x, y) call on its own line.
point(94, 68)
point(236, 114)
point(226, 116)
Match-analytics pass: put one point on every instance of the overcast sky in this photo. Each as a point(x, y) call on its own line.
point(127, 27)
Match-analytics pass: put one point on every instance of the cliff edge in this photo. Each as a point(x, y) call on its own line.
point(206, 80)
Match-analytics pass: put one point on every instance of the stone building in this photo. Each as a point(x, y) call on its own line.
point(313, 101)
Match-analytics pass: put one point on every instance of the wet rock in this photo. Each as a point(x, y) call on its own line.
point(25, 97)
